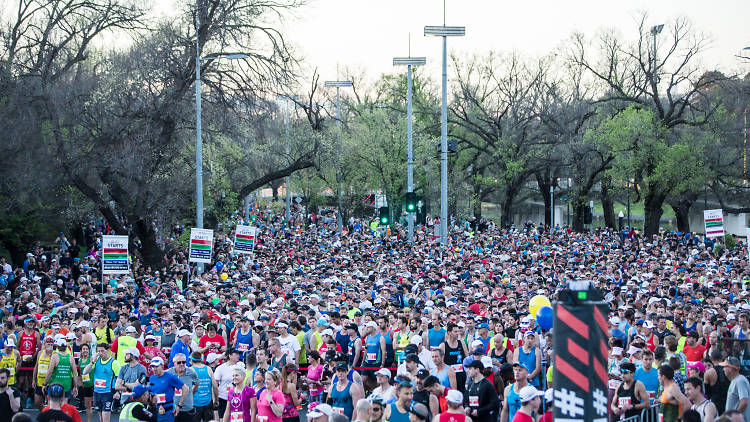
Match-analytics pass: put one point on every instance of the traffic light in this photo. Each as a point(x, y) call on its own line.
point(411, 202)
point(385, 217)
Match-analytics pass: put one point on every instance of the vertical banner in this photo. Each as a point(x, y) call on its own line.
point(714, 222)
point(580, 344)
point(244, 239)
point(201, 245)
point(115, 255)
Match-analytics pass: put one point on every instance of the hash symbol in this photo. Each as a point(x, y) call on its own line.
point(600, 402)
point(568, 403)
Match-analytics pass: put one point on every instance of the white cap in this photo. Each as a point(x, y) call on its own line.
point(528, 393)
point(10, 343)
point(327, 332)
point(133, 351)
point(416, 339)
point(486, 361)
point(212, 357)
point(183, 332)
point(320, 410)
point(285, 325)
point(130, 329)
point(60, 342)
point(70, 336)
point(617, 351)
point(371, 324)
point(454, 396)
point(614, 320)
point(384, 372)
point(648, 324)
point(157, 361)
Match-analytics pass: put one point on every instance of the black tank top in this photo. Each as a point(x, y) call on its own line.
point(453, 355)
point(717, 393)
point(503, 357)
point(424, 398)
point(628, 395)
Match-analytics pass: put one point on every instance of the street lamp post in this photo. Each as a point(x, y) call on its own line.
point(551, 208)
point(629, 225)
point(338, 85)
point(655, 30)
point(198, 140)
point(409, 62)
point(286, 99)
point(445, 32)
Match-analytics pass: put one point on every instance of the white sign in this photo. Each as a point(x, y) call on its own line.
point(714, 223)
point(115, 255)
point(244, 239)
point(201, 245)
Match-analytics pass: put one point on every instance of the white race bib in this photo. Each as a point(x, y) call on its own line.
point(458, 367)
point(86, 378)
point(613, 384)
point(100, 383)
point(623, 401)
point(161, 398)
point(339, 410)
point(371, 357)
point(262, 418)
point(177, 392)
point(237, 417)
point(474, 401)
point(242, 347)
point(43, 368)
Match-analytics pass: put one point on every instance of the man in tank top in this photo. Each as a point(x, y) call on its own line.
point(631, 396)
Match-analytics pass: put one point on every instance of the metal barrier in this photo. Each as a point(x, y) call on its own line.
point(636, 418)
point(650, 414)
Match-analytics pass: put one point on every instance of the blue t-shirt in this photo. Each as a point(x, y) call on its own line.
point(163, 387)
point(650, 380)
point(436, 337)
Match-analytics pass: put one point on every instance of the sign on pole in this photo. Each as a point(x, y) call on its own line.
point(580, 343)
point(115, 255)
point(244, 239)
point(748, 242)
point(201, 245)
point(714, 221)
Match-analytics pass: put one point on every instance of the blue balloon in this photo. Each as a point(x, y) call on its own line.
point(544, 318)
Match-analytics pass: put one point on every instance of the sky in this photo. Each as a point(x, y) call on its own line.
point(365, 35)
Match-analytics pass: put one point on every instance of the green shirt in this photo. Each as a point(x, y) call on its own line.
point(63, 373)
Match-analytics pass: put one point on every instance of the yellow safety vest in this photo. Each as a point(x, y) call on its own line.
point(42, 368)
point(10, 362)
point(123, 344)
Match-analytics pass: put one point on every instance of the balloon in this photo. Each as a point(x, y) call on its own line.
point(224, 276)
point(544, 317)
point(537, 302)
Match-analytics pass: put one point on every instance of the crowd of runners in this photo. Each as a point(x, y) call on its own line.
point(365, 326)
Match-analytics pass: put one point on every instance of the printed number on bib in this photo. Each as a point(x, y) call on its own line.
point(613, 384)
point(474, 401)
point(262, 418)
point(372, 356)
point(43, 368)
point(623, 401)
point(161, 398)
point(236, 416)
point(339, 410)
point(100, 383)
point(242, 347)
point(86, 378)
point(458, 367)
point(178, 392)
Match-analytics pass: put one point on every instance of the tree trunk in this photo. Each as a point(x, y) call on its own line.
point(608, 203)
point(506, 220)
point(275, 185)
point(151, 253)
point(544, 182)
point(652, 204)
point(681, 207)
point(578, 204)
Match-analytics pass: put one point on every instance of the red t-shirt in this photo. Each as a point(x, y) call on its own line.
point(694, 354)
point(522, 417)
point(547, 417)
point(69, 410)
point(216, 343)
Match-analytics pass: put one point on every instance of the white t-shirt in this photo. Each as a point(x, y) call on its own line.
point(387, 395)
point(223, 377)
point(291, 344)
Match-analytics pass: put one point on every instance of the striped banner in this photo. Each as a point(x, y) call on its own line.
point(714, 223)
point(244, 239)
point(201, 245)
point(115, 255)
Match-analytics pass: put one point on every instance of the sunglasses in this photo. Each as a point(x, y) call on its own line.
point(182, 362)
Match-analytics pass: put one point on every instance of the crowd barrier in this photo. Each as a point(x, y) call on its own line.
point(649, 414)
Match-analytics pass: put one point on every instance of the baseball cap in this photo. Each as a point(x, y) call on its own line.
point(483, 325)
point(371, 324)
point(322, 409)
point(324, 323)
point(61, 341)
point(528, 393)
point(133, 351)
point(454, 396)
point(732, 362)
point(183, 332)
point(157, 361)
point(138, 390)
point(384, 372)
point(521, 365)
point(10, 343)
point(212, 357)
point(342, 366)
point(476, 364)
point(70, 336)
point(130, 329)
point(423, 373)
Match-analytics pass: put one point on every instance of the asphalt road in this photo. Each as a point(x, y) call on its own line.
point(116, 416)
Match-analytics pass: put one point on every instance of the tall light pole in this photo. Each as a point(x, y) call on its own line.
point(551, 207)
point(445, 32)
point(198, 140)
point(338, 85)
point(656, 30)
point(286, 99)
point(409, 62)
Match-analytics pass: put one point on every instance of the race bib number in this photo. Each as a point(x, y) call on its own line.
point(86, 378)
point(613, 384)
point(43, 368)
point(242, 347)
point(100, 383)
point(371, 357)
point(77, 355)
point(474, 401)
point(339, 410)
point(236, 417)
point(178, 392)
point(651, 396)
point(623, 401)
point(161, 398)
point(262, 418)
point(458, 367)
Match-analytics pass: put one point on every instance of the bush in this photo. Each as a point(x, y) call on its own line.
point(729, 241)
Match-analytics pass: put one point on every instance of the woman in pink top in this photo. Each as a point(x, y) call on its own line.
point(314, 376)
point(241, 400)
point(271, 403)
point(291, 395)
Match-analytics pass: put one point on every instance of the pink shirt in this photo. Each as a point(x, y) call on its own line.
point(315, 374)
point(265, 414)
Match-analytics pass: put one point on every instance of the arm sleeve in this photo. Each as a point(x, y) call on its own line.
point(140, 412)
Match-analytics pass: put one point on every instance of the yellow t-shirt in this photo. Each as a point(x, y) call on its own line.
point(10, 362)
